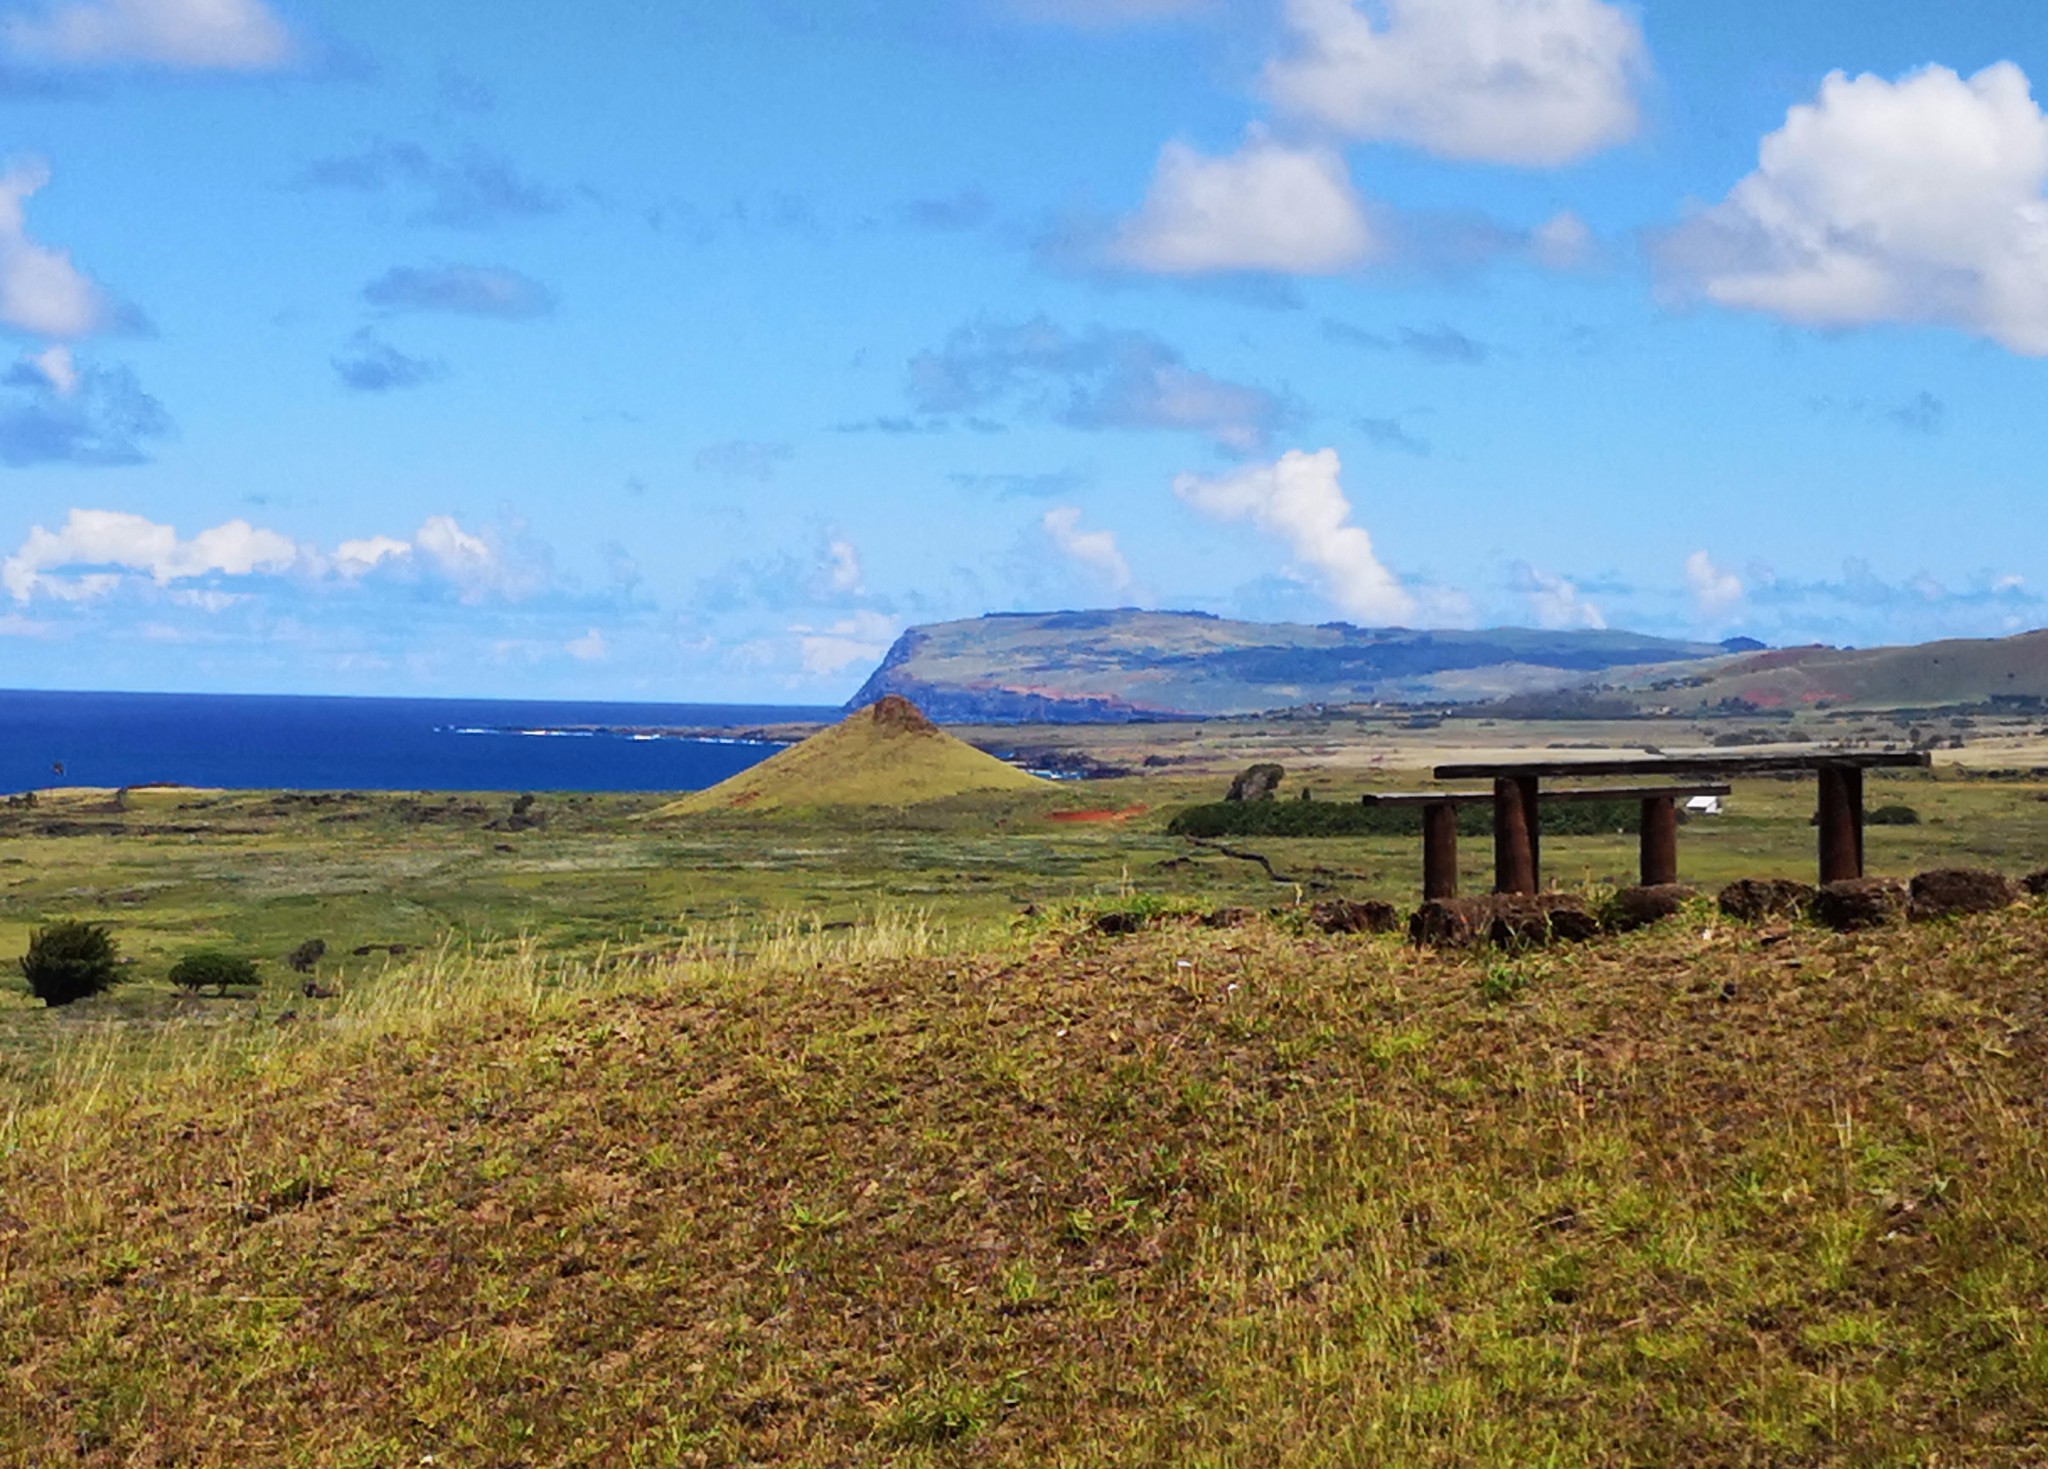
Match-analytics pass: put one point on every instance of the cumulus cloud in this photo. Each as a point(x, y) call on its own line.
point(859, 639)
point(1553, 601)
point(464, 290)
point(1094, 549)
point(1301, 502)
point(1715, 590)
point(371, 365)
point(1532, 82)
point(112, 541)
point(41, 291)
point(56, 410)
point(98, 552)
point(1267, 207)
point(1099, 379)
point(194, 35)
point(842, 575)
point(1919, 200)
point(476, 190)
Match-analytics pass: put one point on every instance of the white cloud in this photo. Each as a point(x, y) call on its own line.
point(1563, 242)
point(41, 291)
point(1300, 500)
point(213, 35)
point(1555, 602)
point(58, 368)
point(96, 551)
point(842, 569)
point(1715, 591)
point(1531, 82)
point(1096, 549)
point(1267, 207)
point(861, 638)
point(590, 648)
point(112, 538)
point(354, 560)
point(1919, 201)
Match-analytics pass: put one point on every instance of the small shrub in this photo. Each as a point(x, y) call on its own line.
point(69, 961)
point(205, 967)
point(1893, 816)
point(307, 956)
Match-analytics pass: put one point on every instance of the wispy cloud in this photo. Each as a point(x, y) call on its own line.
point(464, 290)
point(1098, 379)
point(475, 190)
point(1439, 343)
point(1095, 549)
point(185, 35)
point(743, 459)
point(56, 410)
point(369, 364)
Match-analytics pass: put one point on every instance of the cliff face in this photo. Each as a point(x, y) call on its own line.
point(1124, 665)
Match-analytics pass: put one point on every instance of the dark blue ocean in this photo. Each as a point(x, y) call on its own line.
point(266, 742)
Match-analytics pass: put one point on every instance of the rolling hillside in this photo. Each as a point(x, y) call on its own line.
point(1960, 671)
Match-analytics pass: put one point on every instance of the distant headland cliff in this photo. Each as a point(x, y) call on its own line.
point(1127, 665)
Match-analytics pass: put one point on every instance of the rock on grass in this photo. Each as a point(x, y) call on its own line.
point(1639, 907)
point(1949, 892)
point(1505, 919)
point(1755, 898)
point(1860, 902)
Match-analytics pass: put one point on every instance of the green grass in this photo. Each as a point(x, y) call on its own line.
point(1241, 1197)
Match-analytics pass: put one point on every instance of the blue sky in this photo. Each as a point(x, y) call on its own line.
point(691, 352)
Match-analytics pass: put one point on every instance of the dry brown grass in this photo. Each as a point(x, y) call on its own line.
point(1705, 1195)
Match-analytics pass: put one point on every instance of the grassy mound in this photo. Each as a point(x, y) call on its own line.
point(1192, 1197)
point(887, 754)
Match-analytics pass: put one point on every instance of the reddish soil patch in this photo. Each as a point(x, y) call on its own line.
point(1124, 815)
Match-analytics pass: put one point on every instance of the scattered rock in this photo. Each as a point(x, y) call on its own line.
point(1860, 902)
point(312, 989)
point(1119, 923)
point(1639, 907)
point(1755, 898)
point(1948, 892)
point(1341, 915)
point(1506, 919)
point(1229, 918)
point(1257, 783)
point(2036, 882)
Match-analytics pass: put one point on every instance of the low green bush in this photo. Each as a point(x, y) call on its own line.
point(1893, 816)
point(1353, 819)
point(204, 967)
point(69, 961)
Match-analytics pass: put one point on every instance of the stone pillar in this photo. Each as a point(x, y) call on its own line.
point(1517, 834)
point(1660, 841)
point(1439, 851)
point(1840, 819)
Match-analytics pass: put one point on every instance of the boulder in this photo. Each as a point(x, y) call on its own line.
point(1228, 918)
point(1755, 898)
point(1506, 919)
point(1341, 915)
point(2036, 882)
point(1949, 892)
point(1860, 902)
point(1257, 783)
point(1639, 907)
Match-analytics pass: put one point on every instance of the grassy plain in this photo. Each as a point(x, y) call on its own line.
point(844, 1140)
